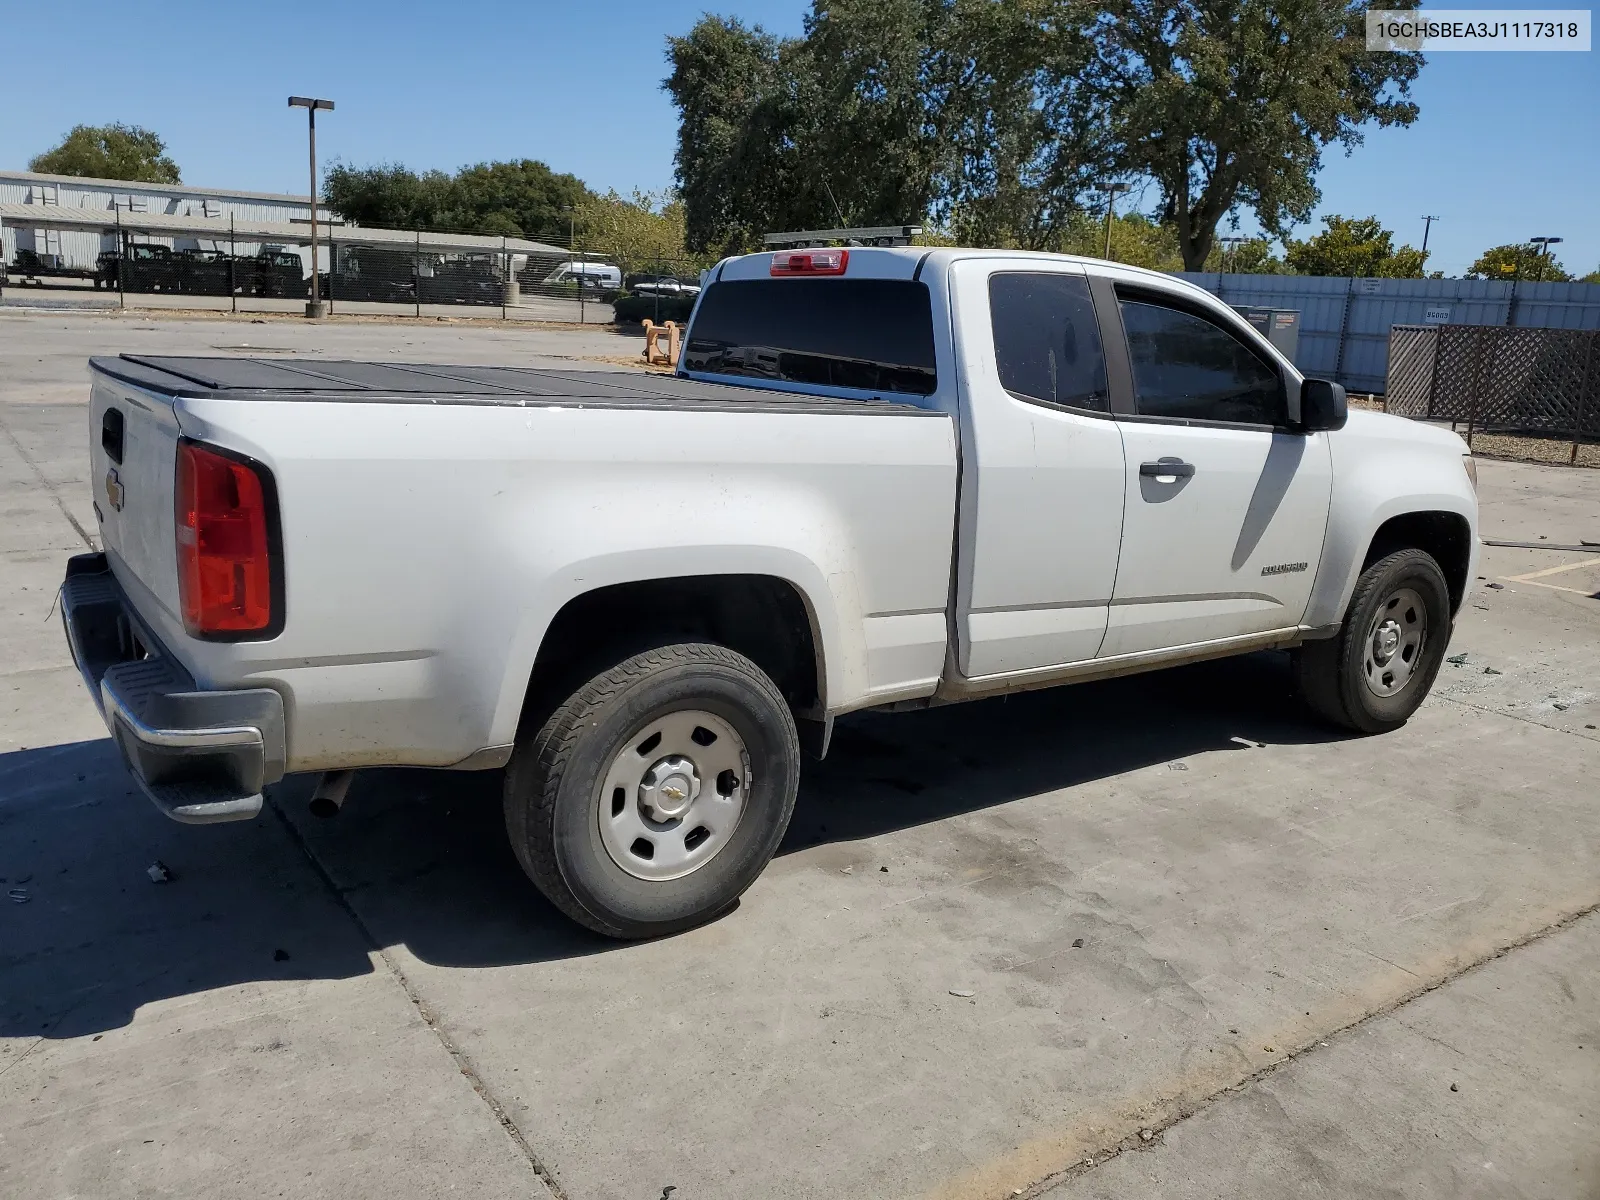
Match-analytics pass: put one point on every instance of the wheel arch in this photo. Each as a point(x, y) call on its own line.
point(1442, 525)
point(767, 618)
point(1445, 536)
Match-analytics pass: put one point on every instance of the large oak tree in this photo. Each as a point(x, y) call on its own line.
point(1231, 103)
point(1002, 120)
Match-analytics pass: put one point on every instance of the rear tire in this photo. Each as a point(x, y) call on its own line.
point(656, 793)
point(1377, 670)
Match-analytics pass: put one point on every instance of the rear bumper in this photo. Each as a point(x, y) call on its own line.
point(201, 756)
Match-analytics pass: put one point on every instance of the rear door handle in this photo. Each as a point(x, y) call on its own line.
point(1167, 467)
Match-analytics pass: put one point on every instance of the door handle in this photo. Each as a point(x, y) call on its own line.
point(1167, 466)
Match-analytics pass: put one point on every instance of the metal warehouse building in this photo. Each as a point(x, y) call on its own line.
point(126, 202)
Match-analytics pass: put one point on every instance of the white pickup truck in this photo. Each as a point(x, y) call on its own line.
point(881, 478)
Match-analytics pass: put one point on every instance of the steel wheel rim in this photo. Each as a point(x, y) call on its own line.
point(673, 794)
point(1394, 642)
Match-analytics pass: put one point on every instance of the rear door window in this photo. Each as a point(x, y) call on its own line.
point(872, 334)
point(1046, 341)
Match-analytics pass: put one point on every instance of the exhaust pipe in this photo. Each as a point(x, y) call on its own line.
point(332, 788)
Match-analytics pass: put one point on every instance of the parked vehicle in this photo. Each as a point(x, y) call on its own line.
point(372, 274)
point(603, 279)
point(151, 268)
point(665, 285)
point(205, 272)
point(882, 479)
point(32, 265)
point(107, 265)
point(461, 280)
point(272, 273)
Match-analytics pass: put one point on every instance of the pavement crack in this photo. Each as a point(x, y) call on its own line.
point(45, 483)
point(17, 1061)
point(1137, 1140)
point(1500, 712)
point(462, 1060)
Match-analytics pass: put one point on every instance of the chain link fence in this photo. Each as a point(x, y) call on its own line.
point(364, 271)
point(1544, 382)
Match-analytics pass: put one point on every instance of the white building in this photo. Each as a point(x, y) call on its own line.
point(59, 196)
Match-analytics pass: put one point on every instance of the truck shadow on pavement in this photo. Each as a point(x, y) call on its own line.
point(418, 860)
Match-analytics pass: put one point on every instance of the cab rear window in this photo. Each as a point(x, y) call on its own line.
point(871, 334)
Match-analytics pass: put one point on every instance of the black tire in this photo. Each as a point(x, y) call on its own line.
point(1329, 674)
point(553, 784)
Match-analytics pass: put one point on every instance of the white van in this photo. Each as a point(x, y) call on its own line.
point(603, 276)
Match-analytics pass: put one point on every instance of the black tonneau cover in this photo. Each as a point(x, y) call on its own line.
point(427, 383)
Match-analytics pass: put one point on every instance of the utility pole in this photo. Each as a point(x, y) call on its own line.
point(314, 304)
point(1544, 244)
point(1111, 205)
point(1230, 250)
point(1427, 227)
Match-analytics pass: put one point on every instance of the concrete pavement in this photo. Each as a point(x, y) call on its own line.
point(1154, 890)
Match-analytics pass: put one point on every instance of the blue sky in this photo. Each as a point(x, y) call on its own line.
point(1507, 147)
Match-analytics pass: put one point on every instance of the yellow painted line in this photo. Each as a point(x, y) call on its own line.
point(1586, 562)
point(1555, 587)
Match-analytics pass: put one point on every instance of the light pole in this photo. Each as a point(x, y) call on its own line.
point(1111, 205)
point(314, 304)
point(1230, 248)
point(1544, 244)
point(572, 253)
point(1427, 228)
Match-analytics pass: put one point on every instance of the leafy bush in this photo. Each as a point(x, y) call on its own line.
point(633, 307)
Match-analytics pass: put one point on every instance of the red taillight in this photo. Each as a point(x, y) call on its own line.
point(810, 262)
point(225, 568)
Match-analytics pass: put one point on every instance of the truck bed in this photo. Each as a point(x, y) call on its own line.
point(279, 379)
point(435, 519)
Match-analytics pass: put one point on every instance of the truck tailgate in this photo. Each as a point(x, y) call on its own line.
point(133, 439)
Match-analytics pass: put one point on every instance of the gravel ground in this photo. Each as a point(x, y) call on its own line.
point(1533, 449)
point(1514, 447)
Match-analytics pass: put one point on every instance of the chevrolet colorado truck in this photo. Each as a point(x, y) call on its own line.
point(880, 479)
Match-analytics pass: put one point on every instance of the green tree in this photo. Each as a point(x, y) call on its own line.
point(1252, 257)
point(1354, 246)
point(113, 151)
point(524, 198)
point(1514, 262)
point(974, 115)
point(1230, 103)
point(1592, 277)
point(734, 112)
point(645, 230)
point(1136, 239)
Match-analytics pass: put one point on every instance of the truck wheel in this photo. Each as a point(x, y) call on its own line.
point(654, 796)
point(1375, 672)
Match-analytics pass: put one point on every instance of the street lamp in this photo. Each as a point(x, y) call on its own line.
point(314, 304)
point(1544, 244)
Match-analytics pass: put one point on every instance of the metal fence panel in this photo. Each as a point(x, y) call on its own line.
point(1345, 323)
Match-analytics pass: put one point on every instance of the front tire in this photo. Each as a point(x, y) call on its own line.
point(1377, 670)
point(653, 797)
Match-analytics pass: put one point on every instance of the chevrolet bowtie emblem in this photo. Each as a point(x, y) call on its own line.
point(114, 489)
point(672, 792)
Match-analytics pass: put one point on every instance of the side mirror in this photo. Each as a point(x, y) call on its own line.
point(1322, 405)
